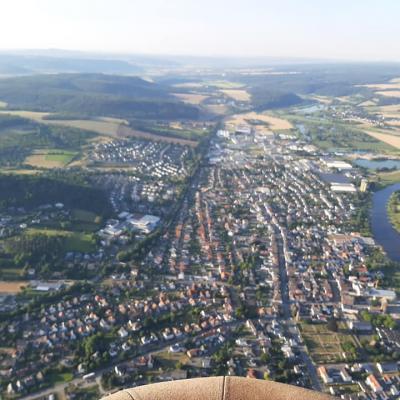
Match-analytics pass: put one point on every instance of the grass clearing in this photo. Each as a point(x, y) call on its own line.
point(368, 103)
point(388, 178)
point(191, 98)
point(218, 109)
point(218, 84)
point(189, 85)
point(50, 158)
point(21, 171)
point(33, 115)
point(322, 99)
point(58, 377)
point(237, 94)
point(85, 221)
point(80, 242)
point(221, 84)
point(12, 287)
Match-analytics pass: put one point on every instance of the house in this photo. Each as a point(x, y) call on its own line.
point(122, 332)
point(323, 373)
point(360, 326)
point(374, 384)
point(345, 375)
point(387, 368)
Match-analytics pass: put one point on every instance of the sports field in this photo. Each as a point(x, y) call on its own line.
point(12, 287)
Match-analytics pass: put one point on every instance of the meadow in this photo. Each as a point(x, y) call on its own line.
point(53, 158)
point(191, 98)
point(73, 241)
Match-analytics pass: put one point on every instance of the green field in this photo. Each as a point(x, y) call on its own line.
point(388, 178)
point(83, 220)
point(53, 158)
point(62, 157)
point(58, 377)
point(74, 241)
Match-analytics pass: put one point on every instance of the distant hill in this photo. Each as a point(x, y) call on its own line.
point(91, 95)
point(25, 64)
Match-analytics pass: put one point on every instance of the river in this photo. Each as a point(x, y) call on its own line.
point(383, 231)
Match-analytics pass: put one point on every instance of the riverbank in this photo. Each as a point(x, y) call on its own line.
point(393, 210)
point(383, 231)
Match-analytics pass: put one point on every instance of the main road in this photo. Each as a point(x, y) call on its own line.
point(288, 320)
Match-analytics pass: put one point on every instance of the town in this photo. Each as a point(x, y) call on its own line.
point(261, 273)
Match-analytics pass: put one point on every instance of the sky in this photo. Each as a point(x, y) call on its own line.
point(331, 29)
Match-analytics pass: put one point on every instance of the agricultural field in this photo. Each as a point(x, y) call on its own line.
point(324, 345)
point(391, 140)
point(389, 93)
point(189, 85)
point(112, 127)
point(395, 84)
point(260, 120)
point(191, 98)
point(390, 89)
point(237, 94)
point(102, 126)
point(126, 132)
point(392, 111)
point(218, 84)
point(50, 158)
point(224, 84)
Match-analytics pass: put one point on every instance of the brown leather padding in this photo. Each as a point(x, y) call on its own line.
point(218, 388)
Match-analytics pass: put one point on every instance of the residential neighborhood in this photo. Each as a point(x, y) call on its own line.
point(261, 273)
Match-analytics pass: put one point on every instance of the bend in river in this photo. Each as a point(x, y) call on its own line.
point(382, 229)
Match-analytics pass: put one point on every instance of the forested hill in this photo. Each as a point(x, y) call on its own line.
point(89, 95)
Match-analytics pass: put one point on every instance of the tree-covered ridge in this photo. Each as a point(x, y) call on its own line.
point(89, 95)
point(33, 191)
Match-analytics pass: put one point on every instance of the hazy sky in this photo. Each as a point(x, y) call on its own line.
point(347, 29)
